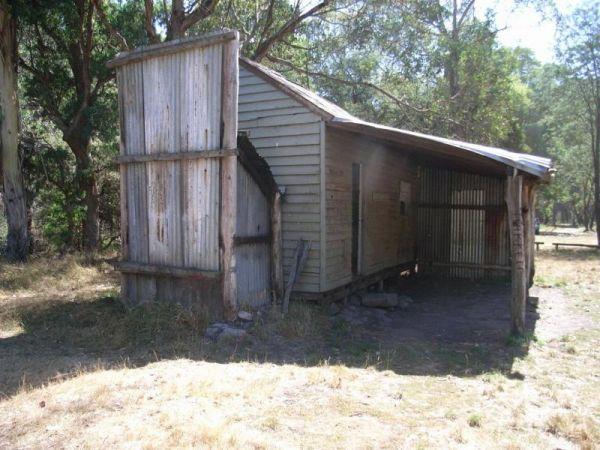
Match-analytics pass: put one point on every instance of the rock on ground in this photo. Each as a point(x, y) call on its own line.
point(404, 301)
point(245, 316)
point(218, 331)
point(380, 300)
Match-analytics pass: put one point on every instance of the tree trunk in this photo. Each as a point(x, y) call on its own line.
point(451, 68)
point(14, 194)
point(176, 29)
point(596, 158)
point(86, 180)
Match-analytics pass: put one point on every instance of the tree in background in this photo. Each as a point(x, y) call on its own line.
point(554, 127)
point(63, 54)
point(176, 20)
point(579, 50)
point(14, 193)
point(263, 24)
point(429, 66)
point(425, 65)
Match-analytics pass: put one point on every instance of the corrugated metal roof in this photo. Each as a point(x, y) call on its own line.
point(332, 113)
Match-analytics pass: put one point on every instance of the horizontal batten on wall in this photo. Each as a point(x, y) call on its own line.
point(175, 156)
point(152, 269)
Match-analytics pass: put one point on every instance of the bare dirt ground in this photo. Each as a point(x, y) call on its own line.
point(78, 370)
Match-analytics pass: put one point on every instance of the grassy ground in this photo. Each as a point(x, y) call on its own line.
point(78, 370)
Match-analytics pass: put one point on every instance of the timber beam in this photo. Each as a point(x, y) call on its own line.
point(514, 203)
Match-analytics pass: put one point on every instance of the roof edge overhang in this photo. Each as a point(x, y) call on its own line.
point(538, 167)
point(535, 166)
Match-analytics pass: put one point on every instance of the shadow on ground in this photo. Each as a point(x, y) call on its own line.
point(453, 328)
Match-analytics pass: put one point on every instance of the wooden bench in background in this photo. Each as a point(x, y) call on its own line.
point(564, 244)
point(537, 245)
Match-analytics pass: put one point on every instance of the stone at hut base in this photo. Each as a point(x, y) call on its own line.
point(245, 316)
point(380, 300)
point(218, 331)
point(404, 301)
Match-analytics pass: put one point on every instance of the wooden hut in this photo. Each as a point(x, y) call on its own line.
point(372, 200)
point(376, 200)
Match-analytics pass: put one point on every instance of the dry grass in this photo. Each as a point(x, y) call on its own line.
point(77, 370)
point(51, 276)
point(581, 431)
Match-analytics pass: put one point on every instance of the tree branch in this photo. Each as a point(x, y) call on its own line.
point(464, 13)
point(117, 37)
point(204, 9)
point(264, 47)
point(399, 101)
point(149, 21)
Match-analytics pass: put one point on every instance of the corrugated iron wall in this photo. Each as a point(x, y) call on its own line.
point(462, 225)
point(253, 259)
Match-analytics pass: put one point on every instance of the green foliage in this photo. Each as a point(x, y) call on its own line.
point(424, 65)
point(70, 114)
point(435, 77)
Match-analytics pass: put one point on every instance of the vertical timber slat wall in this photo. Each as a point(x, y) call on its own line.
point(178, 100)
point(462, 225)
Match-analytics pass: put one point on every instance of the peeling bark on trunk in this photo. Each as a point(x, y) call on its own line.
point(14, 193)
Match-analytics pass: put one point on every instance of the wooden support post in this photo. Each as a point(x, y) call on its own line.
point(125, 256)
point(531, 234)
point(514, 188)
point(229, 106)
point(276, 249)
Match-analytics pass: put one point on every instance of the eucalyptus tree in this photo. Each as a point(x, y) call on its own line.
point(263, 24)
point(428, 65)
point(579, 50)
point(14, 193)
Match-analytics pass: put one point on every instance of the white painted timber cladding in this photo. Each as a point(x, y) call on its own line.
point(287, 135)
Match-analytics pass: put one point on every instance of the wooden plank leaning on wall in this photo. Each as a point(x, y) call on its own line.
point(276, 248)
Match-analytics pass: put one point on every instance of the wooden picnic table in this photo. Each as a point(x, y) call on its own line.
point(567, 244)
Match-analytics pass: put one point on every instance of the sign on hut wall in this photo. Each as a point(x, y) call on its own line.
point(178, 114)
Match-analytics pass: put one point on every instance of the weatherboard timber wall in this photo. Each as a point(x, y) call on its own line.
point(388, 177)
point(287, 135)
point(174, 122)
point(462, 225)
